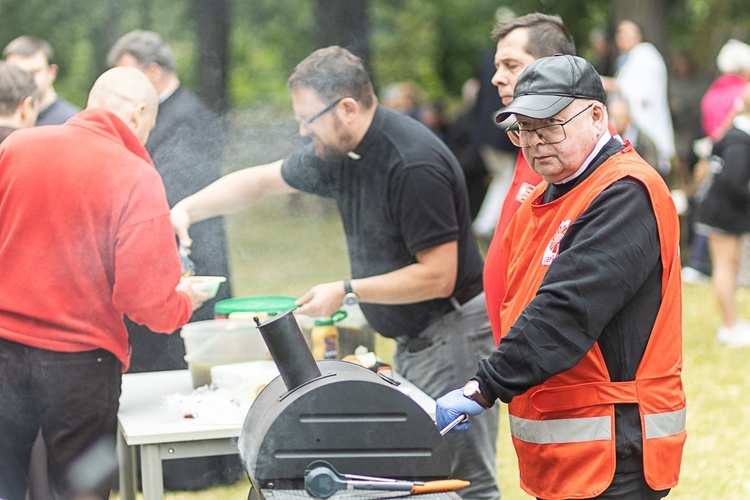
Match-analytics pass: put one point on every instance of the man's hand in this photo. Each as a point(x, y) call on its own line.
point(451, 405)
point(322, 300)
point(197, 297)
point(180, 223)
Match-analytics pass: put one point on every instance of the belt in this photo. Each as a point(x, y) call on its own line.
point(459, 298)
point(468, 292)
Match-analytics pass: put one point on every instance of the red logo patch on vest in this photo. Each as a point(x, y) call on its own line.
point(524, 190)
point(553, 247)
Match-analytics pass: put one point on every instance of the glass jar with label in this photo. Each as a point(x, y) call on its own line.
point(324, 337)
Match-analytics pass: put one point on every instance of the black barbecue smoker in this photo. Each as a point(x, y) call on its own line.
point(337, 412)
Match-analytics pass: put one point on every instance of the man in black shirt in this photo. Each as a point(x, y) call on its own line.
point(35, 56)
point(416, 267)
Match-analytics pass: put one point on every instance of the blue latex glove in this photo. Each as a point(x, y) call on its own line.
point(451, 405)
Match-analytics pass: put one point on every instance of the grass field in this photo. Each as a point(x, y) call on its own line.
point(283, 248)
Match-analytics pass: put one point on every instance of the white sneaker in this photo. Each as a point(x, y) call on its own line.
point(737, 336)
point(692, 275)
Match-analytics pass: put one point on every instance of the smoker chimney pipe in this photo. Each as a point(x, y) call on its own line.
point(289, 350)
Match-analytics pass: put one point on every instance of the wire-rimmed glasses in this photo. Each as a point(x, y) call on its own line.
point(548, 134)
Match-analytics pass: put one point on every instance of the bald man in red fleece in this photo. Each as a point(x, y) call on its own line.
point(85, 238)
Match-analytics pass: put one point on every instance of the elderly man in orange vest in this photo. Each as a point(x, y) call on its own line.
point(590, 358)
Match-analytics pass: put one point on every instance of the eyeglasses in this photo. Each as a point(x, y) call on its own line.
point(308, 121)
point(548, 134)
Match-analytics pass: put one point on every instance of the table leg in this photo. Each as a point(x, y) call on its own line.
point(151, 472)
point(127, 465)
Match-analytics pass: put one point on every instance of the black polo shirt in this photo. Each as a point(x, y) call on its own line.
point(399, 192)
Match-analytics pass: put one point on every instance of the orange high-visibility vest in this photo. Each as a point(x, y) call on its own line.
point(563, 430)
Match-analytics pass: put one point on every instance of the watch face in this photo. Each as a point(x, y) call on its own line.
point(351, 299)
point(471, 388)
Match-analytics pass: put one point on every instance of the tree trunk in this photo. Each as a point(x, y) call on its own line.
point(212, 28)
point(650, 15)
point(344, 23)
point(103, 35)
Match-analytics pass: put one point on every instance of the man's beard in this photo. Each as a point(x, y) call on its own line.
point(329, 152)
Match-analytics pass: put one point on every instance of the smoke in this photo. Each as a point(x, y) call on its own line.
point(259, 135)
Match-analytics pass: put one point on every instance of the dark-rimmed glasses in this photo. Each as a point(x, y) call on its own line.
point(548, 134)
point(308, 121)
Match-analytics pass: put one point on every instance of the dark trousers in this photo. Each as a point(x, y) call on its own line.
point(630, 486)
point(73, 398)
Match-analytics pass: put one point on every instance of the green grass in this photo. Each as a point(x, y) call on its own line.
point(276, 249)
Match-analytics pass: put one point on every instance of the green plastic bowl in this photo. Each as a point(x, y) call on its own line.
point(269, 304)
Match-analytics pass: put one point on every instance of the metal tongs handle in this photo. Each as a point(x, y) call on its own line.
point(461, 418)
point(324, 481)
point(188, 266)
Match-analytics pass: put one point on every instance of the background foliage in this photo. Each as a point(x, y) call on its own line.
point(433, 42)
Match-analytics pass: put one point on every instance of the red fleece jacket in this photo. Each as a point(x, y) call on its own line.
point(85, 237)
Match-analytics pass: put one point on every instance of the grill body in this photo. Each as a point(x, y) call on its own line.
point(350, 417)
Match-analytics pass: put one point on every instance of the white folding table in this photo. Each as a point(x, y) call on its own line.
point(167, 435)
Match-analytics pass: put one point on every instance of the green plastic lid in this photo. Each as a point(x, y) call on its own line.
point(337, 316)
point(270, 304)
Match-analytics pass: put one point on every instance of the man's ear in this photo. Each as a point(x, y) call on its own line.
point(28, 111)
point(351, 108)
point(154, 72)
point(53, 68)
point(138, 114)
point(599, 115)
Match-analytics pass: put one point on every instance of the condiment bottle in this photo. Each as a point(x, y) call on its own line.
point(325, 337)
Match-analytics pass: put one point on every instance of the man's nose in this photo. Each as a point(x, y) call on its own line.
point(535, 139)
point(304, 129)
point(499, 77)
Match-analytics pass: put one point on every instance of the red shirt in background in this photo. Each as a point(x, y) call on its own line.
point(524, 181)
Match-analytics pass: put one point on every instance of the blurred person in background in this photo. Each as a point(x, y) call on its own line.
point(35, 56)
point(416, 267)
point(520, 42)
point(86, 239)
point(404, 97)
point(724, 96)
point(432, 116)
point(460, 138)
point(186, 146)
point(641, 79)
point(724, 217)
point(687, 85)
point(497, 152)
point(605, 55)
point(718, 107)
point(619, 115)
point(18, 99)
point(590, 360)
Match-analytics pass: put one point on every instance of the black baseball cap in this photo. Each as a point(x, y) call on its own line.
point(548, 85)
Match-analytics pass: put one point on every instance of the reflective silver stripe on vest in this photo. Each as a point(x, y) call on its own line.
point(567, 430)
point(665, 424)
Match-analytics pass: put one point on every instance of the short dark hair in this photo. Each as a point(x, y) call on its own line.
point(15, 86)
point(27, 46)
point(334, 72)
point(548, 35)
point(146, 47)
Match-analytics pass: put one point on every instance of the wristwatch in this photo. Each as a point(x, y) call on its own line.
point(471, 391)
point(350, 298)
